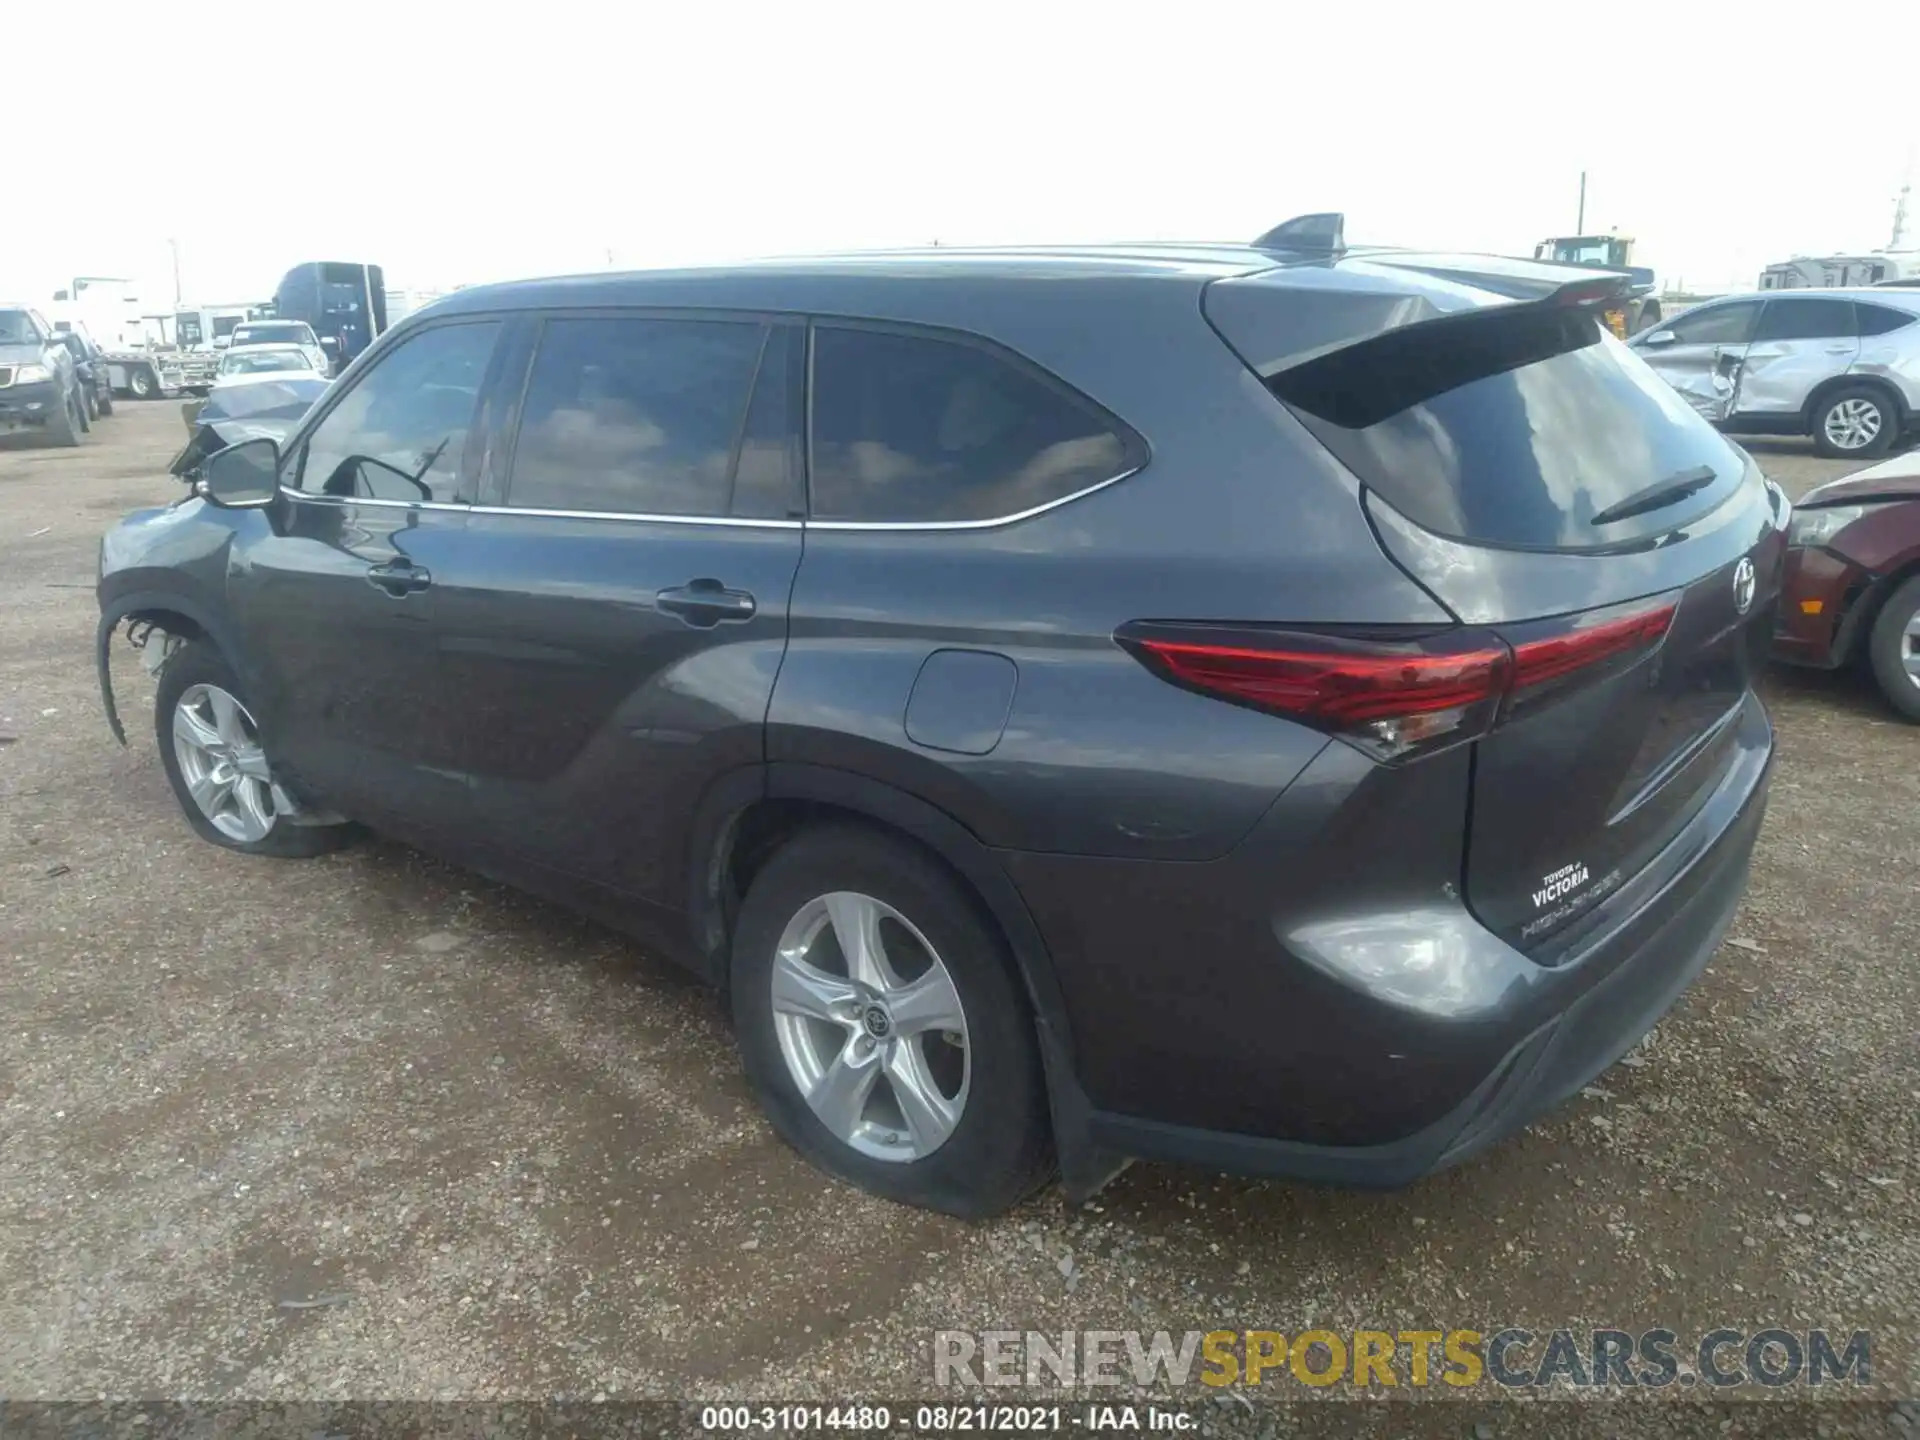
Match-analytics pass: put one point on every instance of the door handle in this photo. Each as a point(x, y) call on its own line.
point(706, 602)
point(1839, 349)
point(398, 577)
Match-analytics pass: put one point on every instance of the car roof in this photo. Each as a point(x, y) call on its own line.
point(907, 284)
point(1872, 294)
point(280, 345)
point(758, 283)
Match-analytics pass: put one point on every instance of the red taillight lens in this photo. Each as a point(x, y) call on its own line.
point(1595, 645)
point(1387, 696)
point(1393, 696)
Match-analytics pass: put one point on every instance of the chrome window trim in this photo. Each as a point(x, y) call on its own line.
point(731, 522)
point(991, 523)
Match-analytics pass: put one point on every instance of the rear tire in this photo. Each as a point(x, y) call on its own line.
point(1855, 422)
point(1894, 649)
point(106, 402)
point(227, 798)
point(982, 1144)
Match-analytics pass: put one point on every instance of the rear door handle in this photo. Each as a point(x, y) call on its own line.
point(398, 577)
point(706, 602)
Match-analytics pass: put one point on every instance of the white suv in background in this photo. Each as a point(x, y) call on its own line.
point(281, 332)
point(1842, 366)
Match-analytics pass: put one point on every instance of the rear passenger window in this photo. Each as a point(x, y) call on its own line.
point(1807, 319)
point(1879, 319)
point(911, 429)
point(634, 416)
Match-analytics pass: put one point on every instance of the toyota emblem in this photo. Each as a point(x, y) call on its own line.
point(1743, 586)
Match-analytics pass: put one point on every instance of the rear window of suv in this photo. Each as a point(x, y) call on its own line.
point(1512, 427)
point(912, 429)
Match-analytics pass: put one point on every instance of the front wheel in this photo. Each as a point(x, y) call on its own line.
point(210, 749)
point(69, 424)
point(105, 405)
point(881, 1026)
point(143, 384)
point(1856, 422)
point(1894, 649)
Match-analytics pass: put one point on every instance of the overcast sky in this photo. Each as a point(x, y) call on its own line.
point(542, 137)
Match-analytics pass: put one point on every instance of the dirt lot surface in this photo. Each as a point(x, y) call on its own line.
point(369, 1126)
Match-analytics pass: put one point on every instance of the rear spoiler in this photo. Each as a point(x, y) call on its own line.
point(1300, 310)
point(1323, 235)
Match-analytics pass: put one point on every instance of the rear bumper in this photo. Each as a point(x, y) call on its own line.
point(1818, 590)
point(1376, 1089)
point(29, 405)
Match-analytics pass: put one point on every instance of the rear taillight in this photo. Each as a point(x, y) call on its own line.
point(1393, 695)
point(1550, 656)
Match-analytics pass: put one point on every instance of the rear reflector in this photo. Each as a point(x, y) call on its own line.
point(1392, 696)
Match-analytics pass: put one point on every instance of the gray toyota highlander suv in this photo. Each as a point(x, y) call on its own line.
point(1276, 707)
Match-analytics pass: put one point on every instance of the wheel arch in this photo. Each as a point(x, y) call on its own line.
point(1857, 622)
point(1825, 390)
point(747, 814)
point(168, 610)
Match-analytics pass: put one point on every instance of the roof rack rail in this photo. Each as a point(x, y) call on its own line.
point(1322, 234)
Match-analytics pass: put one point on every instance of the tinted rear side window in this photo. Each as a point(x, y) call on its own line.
point(1879, 319)
point(1808, 319)
point(908, 428)
point(634, 416)
point(1513, 426)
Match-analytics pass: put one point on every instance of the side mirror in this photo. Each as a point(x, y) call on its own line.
point(243, 476)
point(1659, 337)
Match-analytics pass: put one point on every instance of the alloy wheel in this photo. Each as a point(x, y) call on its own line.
point(1910, 648)
point(870, 1026)
point(221, 762)
point(1853, 424)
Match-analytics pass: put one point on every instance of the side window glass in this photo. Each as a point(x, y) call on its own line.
point(1879, 319)
point(911, 429)
point(634, 416)
point(766, 478)
point(1808, 319)
point(1717, 325)
point(401, 432)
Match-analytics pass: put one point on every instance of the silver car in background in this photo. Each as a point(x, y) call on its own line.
point(1841, 366)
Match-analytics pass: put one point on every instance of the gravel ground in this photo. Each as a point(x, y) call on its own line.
point(511, 1155)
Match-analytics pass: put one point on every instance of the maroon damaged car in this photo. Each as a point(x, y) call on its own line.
point(1852, 587)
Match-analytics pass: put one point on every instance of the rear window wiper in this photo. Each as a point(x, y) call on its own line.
point(1667, 492)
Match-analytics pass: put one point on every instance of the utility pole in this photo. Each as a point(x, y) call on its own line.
point(1900, 206)
point(174, 245)
point(1580, 225)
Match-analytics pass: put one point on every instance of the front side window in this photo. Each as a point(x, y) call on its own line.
point(634, 416)
point(913, 429)
point(1806, 319)
point(400, 432)
point(1717, 324)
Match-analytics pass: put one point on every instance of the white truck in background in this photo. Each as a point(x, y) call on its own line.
point(140, 349)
